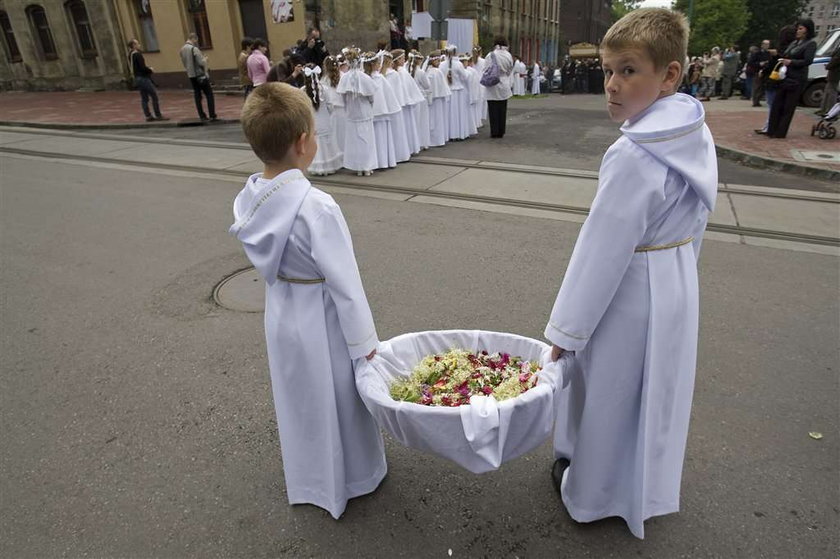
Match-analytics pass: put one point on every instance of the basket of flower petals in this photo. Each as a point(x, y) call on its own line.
point(477, 398)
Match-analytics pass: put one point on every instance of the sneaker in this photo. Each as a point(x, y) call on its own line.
point(150, 118)
point(560, 466)
point(760, 131)
point(161, 117)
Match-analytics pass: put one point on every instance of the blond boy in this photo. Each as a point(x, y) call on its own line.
point(317, 318)
point(628, 305)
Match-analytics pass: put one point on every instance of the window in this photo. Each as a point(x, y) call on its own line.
point(198, 18)
point(147, 25)
point(38, 18)
point(835, 11)
point(84, 33)
point(9, 38)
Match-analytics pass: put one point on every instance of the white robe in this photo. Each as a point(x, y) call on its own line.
point(480, 65)
point(422, 110)
point(338, 114)
point(413, 99)
point(329, 158)
point(519, 78)
point(475, 98)
point(460, 117)
point(383, 130)
point(439, 109)
point(401, 146)
point(357, 90)
point(535, 79)
point(332, 449)
point(632, 318)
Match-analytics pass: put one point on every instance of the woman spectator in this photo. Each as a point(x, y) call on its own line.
point(257, 63)
point(497, 95)
point(797, 58)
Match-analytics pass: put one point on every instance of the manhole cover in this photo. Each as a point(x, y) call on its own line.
point(243, 291)
point(821, 156)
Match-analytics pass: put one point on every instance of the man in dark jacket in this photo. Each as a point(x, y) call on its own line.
point(314, 50)
point(755, 64)
point(831, 82)
point(143, 81)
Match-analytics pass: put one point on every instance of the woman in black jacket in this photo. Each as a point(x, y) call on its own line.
point(797, 58)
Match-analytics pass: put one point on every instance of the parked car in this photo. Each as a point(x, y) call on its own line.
point(813, 94)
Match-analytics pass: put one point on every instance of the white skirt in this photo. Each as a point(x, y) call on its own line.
point(439, 121)
point(339, 125)
point(411, 132)
point(329, 158)
point(400, 135)
point(421, 115)
point(360, 146)
point(460, 115)
point(385, 152)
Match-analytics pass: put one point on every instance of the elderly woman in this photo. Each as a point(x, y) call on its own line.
point(497, 95)
point(797, 58)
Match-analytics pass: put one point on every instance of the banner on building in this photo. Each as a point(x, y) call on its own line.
point(583, 50)
point(282, 11)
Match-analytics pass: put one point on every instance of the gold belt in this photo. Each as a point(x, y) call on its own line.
point(664, 247)
point(298, 280)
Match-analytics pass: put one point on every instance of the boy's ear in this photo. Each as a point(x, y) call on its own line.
point(300, 144)
point(673, 75)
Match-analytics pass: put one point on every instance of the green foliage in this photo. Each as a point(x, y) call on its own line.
point(620, 8)
point(715, 23)
point(405, 390)
point(768, 16)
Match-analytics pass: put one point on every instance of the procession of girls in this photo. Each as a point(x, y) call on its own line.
point(375, 110)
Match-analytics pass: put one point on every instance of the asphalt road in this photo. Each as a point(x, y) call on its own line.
point(137, 418)
point(570, 132)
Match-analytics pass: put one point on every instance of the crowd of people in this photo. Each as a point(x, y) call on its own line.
point(376, 109)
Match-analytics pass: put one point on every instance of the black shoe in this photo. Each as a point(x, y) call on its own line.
point(203, 118)
point(214, 119)
point(150, 118)
point(557, 470)
point(161, 117)
point(756, 104)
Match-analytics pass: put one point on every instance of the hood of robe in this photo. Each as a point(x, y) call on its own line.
point(673, 130)
point(264, 214)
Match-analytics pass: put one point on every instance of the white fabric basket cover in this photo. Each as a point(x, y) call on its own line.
point(481, 436)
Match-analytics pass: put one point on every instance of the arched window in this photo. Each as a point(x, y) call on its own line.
point(84, 33)
point(38, 19)
point(9, 38)
point(198, 18)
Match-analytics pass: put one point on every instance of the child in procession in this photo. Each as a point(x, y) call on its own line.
point(357, 90)
point(418, 74)
point(628, 305)
point(412, 97)
point(394, 97)
point(328, 159)
point(330, 78)
point(317, 318)
point(383, 131)
point(439, 107)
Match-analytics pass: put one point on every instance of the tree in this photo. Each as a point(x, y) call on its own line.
point(715, 23)
point(621, 8)
point(768, 16)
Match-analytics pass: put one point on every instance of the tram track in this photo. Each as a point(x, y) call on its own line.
point(412, 192)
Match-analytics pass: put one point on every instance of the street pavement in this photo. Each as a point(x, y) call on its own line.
point(137, 418)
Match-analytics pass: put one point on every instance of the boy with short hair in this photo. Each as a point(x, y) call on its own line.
point(317, 318)
point(628, 306)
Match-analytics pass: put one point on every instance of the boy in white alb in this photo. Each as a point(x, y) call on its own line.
point(317, 318)
point(628, 306)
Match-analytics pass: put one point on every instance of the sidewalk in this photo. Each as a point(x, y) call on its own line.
point(732, 122)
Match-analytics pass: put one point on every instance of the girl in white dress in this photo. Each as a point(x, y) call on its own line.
point(330, 77)
point(417, 72)
point(394, 97)
point(439, 109)
point(358, 89)
point(479, 63)
point(459, 105)
point(400, 79)
point(474, 94)
point(328, 159)
point(384, 151)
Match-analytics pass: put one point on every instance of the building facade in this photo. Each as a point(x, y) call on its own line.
point(826, 16)
point(585, 21)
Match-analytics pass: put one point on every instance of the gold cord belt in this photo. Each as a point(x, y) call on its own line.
point(664, 247)
point(298, 280)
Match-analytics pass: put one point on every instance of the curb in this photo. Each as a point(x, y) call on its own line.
point(118, 126)
point(759, 162)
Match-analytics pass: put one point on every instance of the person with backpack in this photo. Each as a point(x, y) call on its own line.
point(496, 80)
point(195, 63)
point(143, 82)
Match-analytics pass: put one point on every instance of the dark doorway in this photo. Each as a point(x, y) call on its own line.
point(253, 19)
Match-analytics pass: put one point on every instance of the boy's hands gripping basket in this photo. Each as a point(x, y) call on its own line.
point(479, 410)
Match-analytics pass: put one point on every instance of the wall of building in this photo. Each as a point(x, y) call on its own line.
point(362, 23)
point(70, 70)
point(585, 21)
point(826, 16)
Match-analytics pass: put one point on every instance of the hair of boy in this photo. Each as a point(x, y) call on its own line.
point(331, 70)
point(311, 85)
point(274, 117)
point(659, 32)
point(387, 59)
point(246, 43)
point(369, 62)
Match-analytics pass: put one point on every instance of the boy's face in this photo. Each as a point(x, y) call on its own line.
point(632, 83)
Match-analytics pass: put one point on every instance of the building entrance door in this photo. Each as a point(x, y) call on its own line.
point(253, 19)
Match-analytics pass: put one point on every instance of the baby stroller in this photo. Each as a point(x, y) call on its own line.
point(825, 127)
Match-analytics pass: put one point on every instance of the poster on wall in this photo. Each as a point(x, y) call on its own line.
point(282, 11)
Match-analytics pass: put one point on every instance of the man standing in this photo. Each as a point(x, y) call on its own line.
point(242, 65)
point(143, 81)
point(315, 51)
point(195, 63)
point(731, 59)
point(536, 74)
point(755, 64)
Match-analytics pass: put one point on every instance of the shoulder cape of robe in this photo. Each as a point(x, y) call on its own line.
point(632, 318)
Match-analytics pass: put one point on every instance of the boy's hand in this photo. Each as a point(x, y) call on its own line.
point(556, 352)
point(370, 355)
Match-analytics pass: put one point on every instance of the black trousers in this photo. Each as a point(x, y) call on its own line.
point(497, 114)
point(784, 105)
point(199, 87)
point(147, 92)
